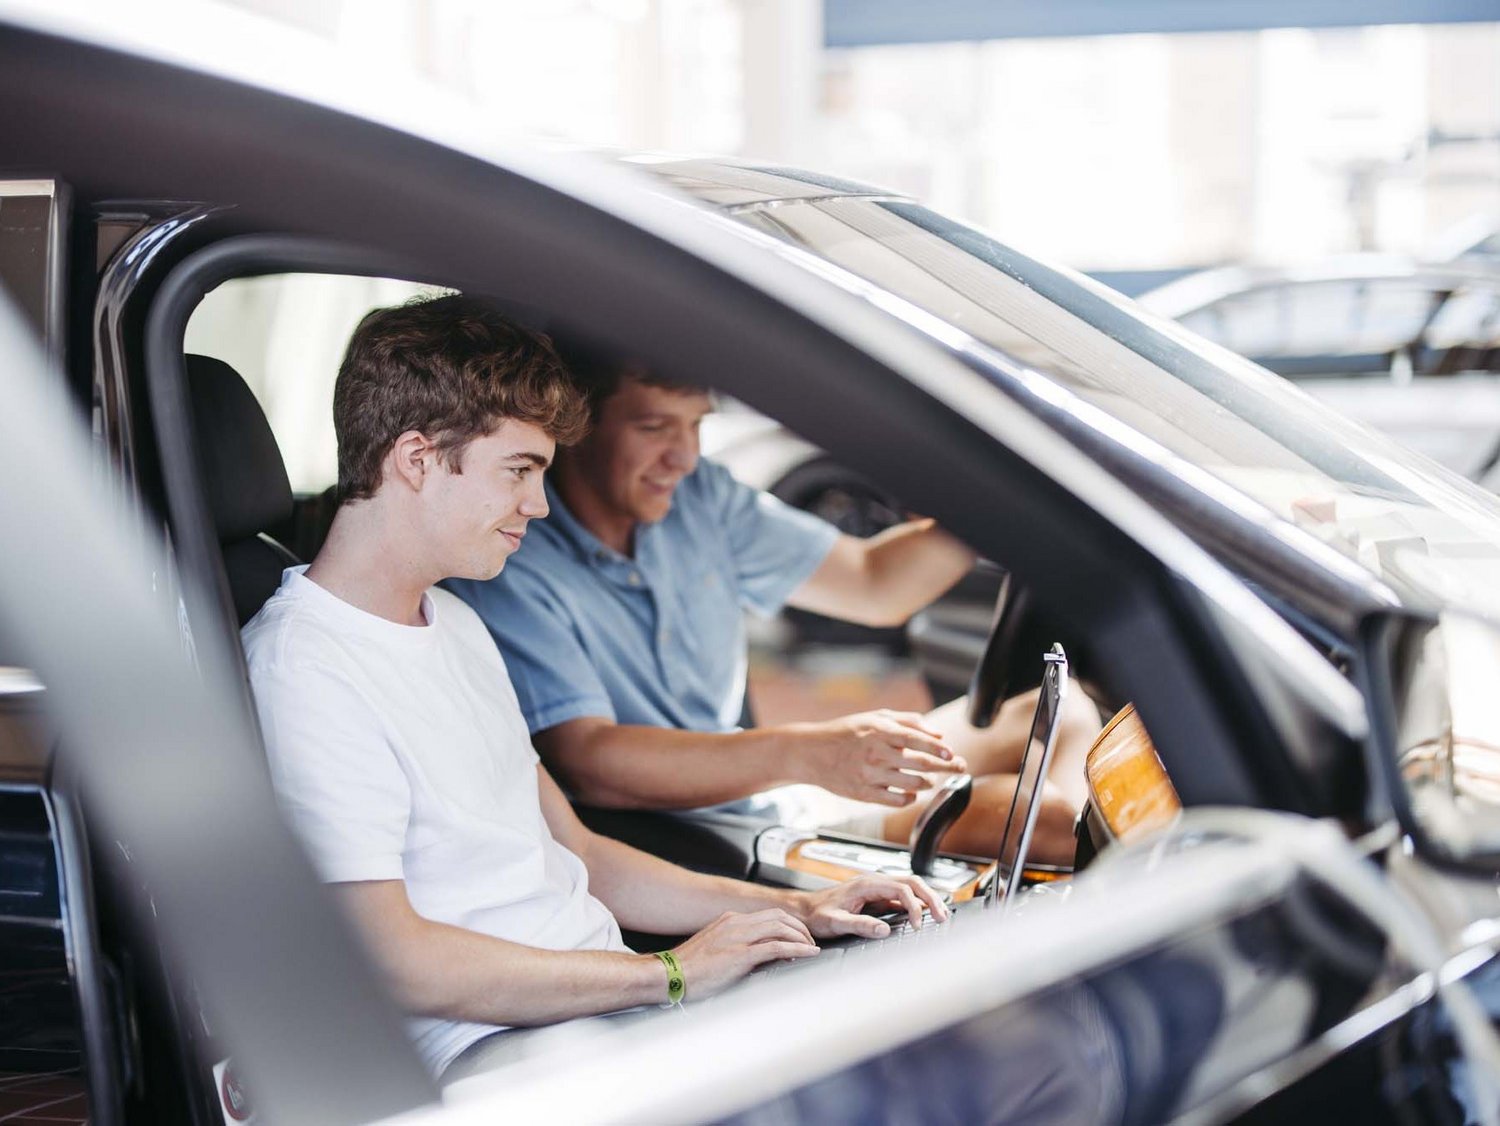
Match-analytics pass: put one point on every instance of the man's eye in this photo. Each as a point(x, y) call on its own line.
point(521, 471)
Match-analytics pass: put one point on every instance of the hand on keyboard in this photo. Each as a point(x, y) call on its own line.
point(837, 910)
point(902, 936)
point(899, 919)
point(734, 944)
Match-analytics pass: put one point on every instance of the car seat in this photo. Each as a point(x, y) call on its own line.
point(244, 481)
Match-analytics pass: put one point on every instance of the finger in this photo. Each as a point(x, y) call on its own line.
point(920, 760)
point(882, 796)
point(915, 722)
point(785, 932)
point(895, 889)
point(895, 756)
point(763, 952)
point(773, 924)
point(797, 925)
point(928, 896)
point(865, 926)
point(780, 915)
point(910, 903)
point(906, 782)
point(904, 738)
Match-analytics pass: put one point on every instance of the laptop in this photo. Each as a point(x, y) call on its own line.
point(1004, 885)
point(1015, 841)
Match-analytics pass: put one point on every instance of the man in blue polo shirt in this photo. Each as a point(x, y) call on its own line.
point(622, 626)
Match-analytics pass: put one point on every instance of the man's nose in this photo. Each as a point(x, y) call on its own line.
point(534, 504)
point(682, 454)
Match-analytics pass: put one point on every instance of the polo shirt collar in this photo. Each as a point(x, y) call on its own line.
point(589, 547)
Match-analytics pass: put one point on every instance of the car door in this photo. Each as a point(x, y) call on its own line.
point(593, 249)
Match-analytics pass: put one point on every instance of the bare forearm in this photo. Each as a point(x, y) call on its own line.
point(884, 580)
point(909, 566)
point(626, 767)
point(458, 974)
point(648, 894)
point(870, 756)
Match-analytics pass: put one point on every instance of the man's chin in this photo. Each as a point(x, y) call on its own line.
point(653, 511)
point(486, 570)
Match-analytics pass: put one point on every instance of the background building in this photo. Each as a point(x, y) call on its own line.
point(1128, 153)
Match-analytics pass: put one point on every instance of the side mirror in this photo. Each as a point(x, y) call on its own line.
point(1437, 745)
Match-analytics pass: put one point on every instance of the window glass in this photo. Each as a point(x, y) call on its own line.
point(286, 335)
point(1251, 323)
point(1469, 318)
point(1391, 315)
point(31, 255)
point(1091, 364)
point(31, 278)
point(1353, 317)
point(1364, 320)
point(875, 241)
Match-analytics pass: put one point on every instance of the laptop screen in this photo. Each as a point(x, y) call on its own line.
point(1037, 756)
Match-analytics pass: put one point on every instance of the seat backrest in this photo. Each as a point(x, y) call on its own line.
point(244, 480)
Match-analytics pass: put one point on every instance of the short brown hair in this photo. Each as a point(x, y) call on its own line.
point(453, 368)
point(599, 374)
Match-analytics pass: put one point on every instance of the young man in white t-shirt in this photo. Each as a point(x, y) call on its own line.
point(396, 743)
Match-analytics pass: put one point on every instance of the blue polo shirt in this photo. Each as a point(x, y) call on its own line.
point(659, 639)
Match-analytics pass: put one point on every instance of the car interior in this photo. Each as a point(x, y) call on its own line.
point(209, 457)
point(256, 517)
point(234, 518)
point(262, 527)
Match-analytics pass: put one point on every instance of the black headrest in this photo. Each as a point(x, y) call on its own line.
point(243, 474)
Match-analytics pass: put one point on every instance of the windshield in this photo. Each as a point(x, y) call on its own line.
point(1207, 416)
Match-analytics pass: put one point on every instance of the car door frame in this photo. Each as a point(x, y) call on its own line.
point(644, 272)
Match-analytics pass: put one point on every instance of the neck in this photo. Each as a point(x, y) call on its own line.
point(592, 509)
point(367, 562)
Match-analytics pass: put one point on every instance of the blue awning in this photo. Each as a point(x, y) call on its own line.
point(862, 23)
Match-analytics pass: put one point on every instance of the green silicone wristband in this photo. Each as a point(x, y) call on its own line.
point(676, 983)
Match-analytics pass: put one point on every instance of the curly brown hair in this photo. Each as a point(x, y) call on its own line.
point(452, 368)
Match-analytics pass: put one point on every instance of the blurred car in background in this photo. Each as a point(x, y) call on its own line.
point(1301, 614)
point(1409, 349)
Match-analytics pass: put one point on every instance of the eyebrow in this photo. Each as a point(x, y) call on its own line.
point(536, 459)
point(643, 416)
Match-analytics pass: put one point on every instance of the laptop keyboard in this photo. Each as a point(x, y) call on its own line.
point(862, 950)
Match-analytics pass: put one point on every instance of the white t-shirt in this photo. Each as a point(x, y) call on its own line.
point(399, 753)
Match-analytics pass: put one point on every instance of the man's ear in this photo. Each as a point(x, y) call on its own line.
point(412, 457)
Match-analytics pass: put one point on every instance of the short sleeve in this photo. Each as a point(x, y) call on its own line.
point(775, 548)
point(335, 773)
point(550, 670)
